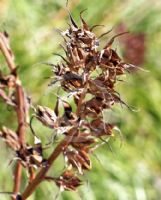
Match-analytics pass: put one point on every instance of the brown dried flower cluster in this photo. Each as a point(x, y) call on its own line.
point(88, 74)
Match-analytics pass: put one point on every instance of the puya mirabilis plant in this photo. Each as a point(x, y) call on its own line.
point(88, 74)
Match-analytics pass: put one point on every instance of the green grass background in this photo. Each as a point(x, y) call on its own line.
point(130, 172)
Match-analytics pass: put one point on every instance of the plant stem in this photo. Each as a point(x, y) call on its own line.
point(21, 107)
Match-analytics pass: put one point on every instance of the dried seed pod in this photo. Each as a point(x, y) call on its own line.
point(46, 116)
point(31, 156)
point(8, 81)
point(78, 159)
point(10, 137)
point(68, 181)
point(100, 128)
point(87, 163)
point(82, 140)
point(6, 98)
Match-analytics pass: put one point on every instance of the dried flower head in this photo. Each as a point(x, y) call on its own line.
point(88, 74)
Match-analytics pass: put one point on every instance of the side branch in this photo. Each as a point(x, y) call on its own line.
point(42, 173)
point(21, 107)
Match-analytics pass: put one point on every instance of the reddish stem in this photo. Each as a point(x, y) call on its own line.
point(17, 178)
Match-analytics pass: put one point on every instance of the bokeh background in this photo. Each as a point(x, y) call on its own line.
point(131, 171)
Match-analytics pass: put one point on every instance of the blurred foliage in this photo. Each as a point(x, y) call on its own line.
point(132, 171)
